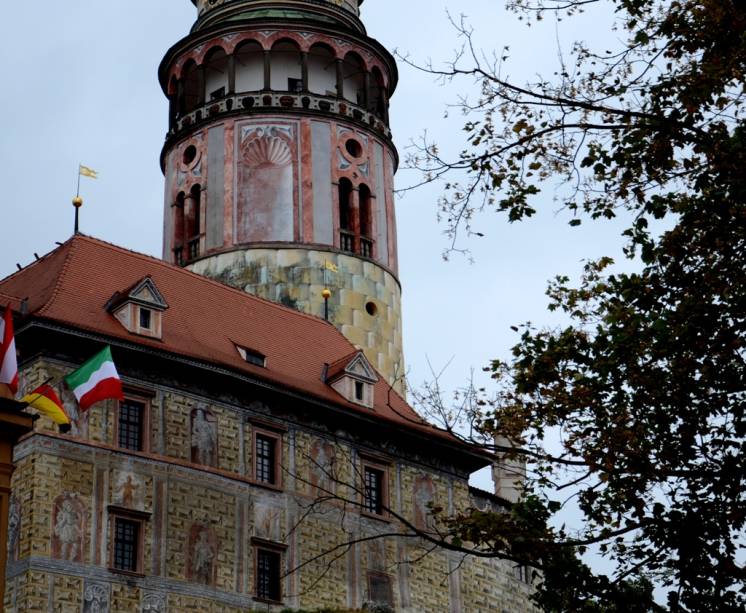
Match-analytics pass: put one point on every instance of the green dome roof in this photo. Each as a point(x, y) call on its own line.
point(345, 12)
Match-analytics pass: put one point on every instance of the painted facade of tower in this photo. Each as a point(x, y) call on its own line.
point(279, 162)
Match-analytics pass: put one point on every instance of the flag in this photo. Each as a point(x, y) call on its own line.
point(96, 380)
point(45, 400)
point(330, 266)
point(87, 172)
point(8, 360)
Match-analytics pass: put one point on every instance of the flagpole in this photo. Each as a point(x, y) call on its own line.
point(77, 203)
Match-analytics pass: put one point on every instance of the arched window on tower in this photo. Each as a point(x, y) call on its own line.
point(249, 67)
point(192, 90)
point(193, 219)
point(366, 221)
point(179, 242)
point(216, 74)
point(353, 72)
point(286, 71)
point(322, 71)
point(346, 221)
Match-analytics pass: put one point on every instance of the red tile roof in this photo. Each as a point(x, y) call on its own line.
point(205, 320)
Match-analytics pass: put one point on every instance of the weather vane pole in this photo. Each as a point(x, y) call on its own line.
point(83, 171)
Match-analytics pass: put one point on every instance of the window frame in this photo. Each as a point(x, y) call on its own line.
point(261, 545)
point(145, 312)
point(277, 438)
point(375, 574)
point(139, 518)
point(381, 466)
point(140, 397)
point(359, 391)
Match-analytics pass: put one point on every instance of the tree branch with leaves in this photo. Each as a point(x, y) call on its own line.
point(645, 386)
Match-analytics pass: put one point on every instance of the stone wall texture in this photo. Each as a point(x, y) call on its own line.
point(68, 487)
point(297, 277)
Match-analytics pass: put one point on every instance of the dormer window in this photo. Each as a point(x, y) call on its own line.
point(146, 318)
point(354, 378)
point(252, 357)
point(140, 308)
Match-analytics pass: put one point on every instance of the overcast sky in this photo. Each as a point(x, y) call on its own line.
point(80, 85)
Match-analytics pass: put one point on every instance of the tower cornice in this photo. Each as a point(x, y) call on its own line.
point(344, 12)
point(206, 35)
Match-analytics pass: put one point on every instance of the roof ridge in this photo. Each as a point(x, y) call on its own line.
point(70, 243)
point(281, 307)
point(47, 255)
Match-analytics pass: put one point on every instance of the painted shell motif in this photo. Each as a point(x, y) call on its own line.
point(267, 151)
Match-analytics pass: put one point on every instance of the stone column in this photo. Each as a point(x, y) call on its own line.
point(201, 93)
point(340, 79)
point(13, 425)
point(366, 91)
point(231, 75)
point(267, 72)
point(304, 70)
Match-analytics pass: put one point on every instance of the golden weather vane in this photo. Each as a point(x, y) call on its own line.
point(83, 171)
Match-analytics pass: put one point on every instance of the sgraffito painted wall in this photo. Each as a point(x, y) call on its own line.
point(201, 511)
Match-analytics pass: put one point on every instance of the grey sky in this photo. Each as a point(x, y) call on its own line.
point(80, 86)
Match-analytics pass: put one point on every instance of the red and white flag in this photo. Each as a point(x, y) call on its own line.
point(8, 361)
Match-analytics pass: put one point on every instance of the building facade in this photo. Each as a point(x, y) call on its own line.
point(264, 458)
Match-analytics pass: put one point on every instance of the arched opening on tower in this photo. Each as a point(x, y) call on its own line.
point(249, 67)
point(192, 90)
point(322, 71)
point(346, 221)
point(366, 221)
point(178, 216)
point(216, 74)
point(353, 72)
point(286, 72)
point(193, 219)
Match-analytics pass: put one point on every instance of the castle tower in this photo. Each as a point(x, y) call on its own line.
point(279, 162)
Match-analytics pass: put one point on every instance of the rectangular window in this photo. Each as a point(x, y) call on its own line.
point(126, 544)
point(266, 455)
point(359, 391)
point(145, 318)
point(268, 575)
point(380, 590)
point(374, 493)
point(252, 357)
point(295, 85)
point(131, 422)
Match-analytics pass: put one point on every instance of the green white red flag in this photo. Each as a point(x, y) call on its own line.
point(8, 359)
point(96, 380)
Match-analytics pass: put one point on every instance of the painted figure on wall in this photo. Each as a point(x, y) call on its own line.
point(202, 554)
point(265, 196)
point(14, 528)
point(68, 528)
point(377, 555)
point(129, 491)
point(96, 598)
point(268, 522)
point(79, 420)
point(204, 437)
point(323, 476)
point(424, 496)
point(153, 603)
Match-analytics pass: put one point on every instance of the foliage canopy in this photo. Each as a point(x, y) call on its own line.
point(645, 385)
